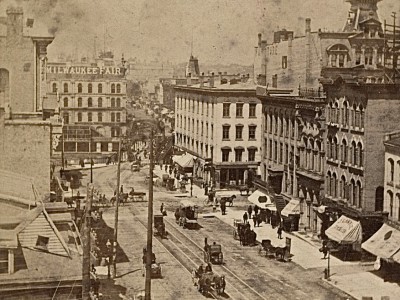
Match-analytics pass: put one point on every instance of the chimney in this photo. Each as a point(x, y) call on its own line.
point(211, 80)
point(308, 25)
point(15, 22)
point(220, 77)
point(201, 79)
point(189, 79)
point(259, 40)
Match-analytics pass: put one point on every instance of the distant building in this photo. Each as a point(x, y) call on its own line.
point(192, 68)
point(92, 101)
point(221, 123)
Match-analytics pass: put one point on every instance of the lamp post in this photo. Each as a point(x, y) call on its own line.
point(116, 212)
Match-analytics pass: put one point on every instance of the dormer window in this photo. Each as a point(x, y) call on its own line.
point(338, 55)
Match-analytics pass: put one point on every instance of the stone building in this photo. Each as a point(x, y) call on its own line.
point(336, 133)
point(220, 122)
point(92, 101)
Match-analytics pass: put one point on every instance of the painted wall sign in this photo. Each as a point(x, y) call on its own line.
point(84, 70)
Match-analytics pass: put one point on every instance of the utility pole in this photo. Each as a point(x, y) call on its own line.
point(116, 213)
point(149, 248)
point(86, 243)
point(90, 155)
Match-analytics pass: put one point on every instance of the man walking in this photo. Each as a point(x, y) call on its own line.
point(280, 232)
point(250, 210)
point(256, 208)
point(245, 218)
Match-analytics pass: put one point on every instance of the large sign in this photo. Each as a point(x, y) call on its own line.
point(84, 70)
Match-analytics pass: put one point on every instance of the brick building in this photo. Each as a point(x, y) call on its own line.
point(220, 121)
point(92, 102)
point(338, 121)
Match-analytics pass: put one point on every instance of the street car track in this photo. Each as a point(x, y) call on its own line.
point(188, 264)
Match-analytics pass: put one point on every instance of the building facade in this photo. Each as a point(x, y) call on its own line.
point(336, 133)
point(92, 103)
point(220, 122)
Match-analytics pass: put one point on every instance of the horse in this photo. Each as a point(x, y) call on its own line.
point(244, 188)
point(280, 252)
point(220, 284)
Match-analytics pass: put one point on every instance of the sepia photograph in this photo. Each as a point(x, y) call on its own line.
point(199, 149)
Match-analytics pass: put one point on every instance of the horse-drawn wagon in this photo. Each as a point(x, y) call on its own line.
point(186, 214)
point(208, 282)
point(159, 226)
point(213, 253)
point(268, 250)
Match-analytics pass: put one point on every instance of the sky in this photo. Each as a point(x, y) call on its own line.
point(222, 31)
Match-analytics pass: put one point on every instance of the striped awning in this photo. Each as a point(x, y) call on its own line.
point(345, 231)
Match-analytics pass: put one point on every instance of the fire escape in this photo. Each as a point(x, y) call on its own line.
point(392, 51)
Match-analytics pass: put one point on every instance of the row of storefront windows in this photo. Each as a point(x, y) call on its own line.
point(115, 88)
point(115, 117)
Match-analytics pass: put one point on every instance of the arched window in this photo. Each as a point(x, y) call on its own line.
point(342, 187)
point(99, 117)
point(345, 114)
point(391, 170)
point(89, 117)
point(118, 102)
point(65, 102)
point(352, 192)
point(360, 154)
point(89, 102)
point(113, 89)
point(337, 113)
point(89, 88)
point(334, 183)
point(100, 102)
point(361, 116)
point(4, 86)
point(79, 117)
point(359, 198)
point(54, 87)
point(353, 118)
point(65, 87)
point(328, 183)
point(99, 88)
point(79, 102)
point(112, 102)
point(118, 88)
point(390, 202)
point(344, 151)
point(354, 153)
point(79, 87)
point(335, 148)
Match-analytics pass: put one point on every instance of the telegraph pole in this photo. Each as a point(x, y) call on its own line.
point(116, 213)
point(86, 243)
point(149, 247)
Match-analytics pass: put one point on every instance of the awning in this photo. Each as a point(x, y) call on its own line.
point(292, 208)
point(345, 231)
point(262, 200)
point(385, 243)
point(185, 161)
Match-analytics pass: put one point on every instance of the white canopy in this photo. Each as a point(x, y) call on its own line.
point(345, 231)
point(292, 208)
point(185, 161)
point(265, 202)
point(385, 243)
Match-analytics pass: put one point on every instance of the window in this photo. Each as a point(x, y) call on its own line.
point(118, 102)
point(112, 117)
point(89, 117)
point(252, 110)
point(239, 132)
point(79, 117)
point(66, 118)
point(112, 102)
point(225, 155)
point(391, 171)
point(115, 131)
point(225, 132)
point(118, 88)
point(54, 87)
point(225, 109)
point(390, 198)
point(239, 110)
point(251, 154)
point(252, 132)
point(65, 102)
point(284, 62)
point(79, 102)
point(42, 242)
point(100, 102)
point(238, 154)
point(89, 102)
point(89, 88)
point(113, 88)
point(99, 88)
point(275, 81)
point(65, 87)
point(99, 117)
point(79, 87)
point(118, 119)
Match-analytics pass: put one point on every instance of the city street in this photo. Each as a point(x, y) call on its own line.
point(248, 275)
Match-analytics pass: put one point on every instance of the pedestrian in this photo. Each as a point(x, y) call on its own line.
point(205, 189)
point(280, 232)
point(165, 168)
point(259, 220)
point(162, 207)
point(256, 209)
point(122, 189)
point(250, 210)
point(223, 206)
point(255, 220)
point(245, 217)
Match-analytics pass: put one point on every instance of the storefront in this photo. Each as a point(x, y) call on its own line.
point(291, 215)
point(346, 235)
point(184, 163)
point(268, 209)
